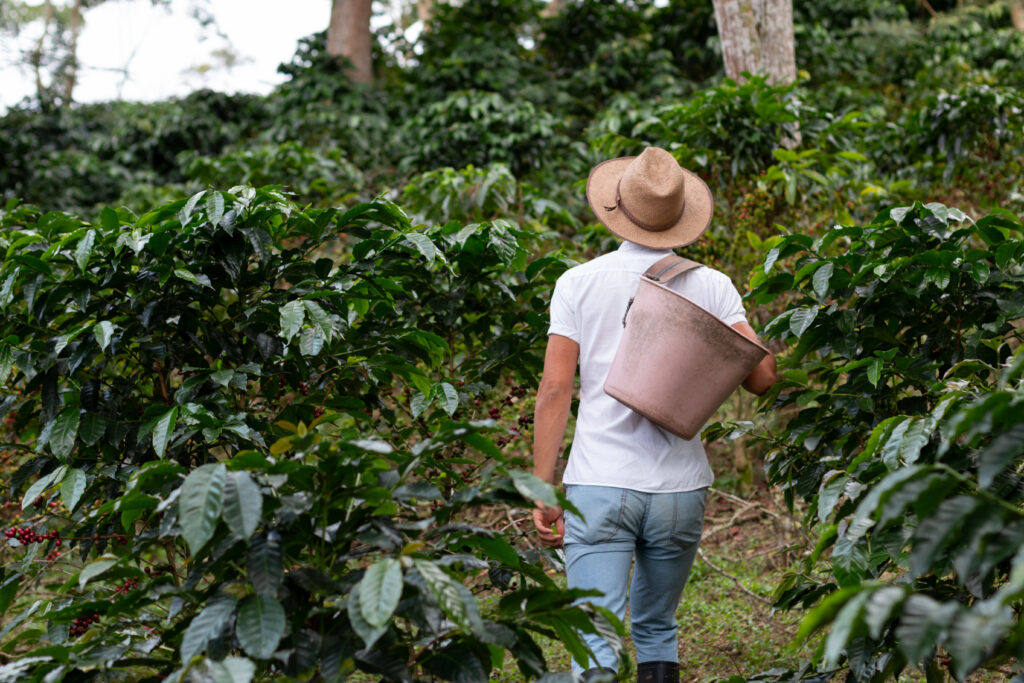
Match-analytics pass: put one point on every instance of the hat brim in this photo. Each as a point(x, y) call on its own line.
point(698, 208)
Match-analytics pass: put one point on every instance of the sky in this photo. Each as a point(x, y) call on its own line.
point(161, 48)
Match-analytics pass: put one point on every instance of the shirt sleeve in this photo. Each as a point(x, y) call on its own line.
point(730, 303)
point(563, 311)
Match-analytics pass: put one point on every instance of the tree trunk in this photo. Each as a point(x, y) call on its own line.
point(72, 73)
point(757, 37)
point(1017, 15)
point(423, 10)
point(37, 54)
point(552, 9)
point(348, 35)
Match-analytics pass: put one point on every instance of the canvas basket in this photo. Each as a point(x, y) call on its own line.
point(677, 363)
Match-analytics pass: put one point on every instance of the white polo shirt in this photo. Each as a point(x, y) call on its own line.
point(614, 446)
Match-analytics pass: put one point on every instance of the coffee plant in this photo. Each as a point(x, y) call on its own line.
point(250, 440)
point(902, 437)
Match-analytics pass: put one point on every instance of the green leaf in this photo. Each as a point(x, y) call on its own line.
point(223, 377)
point(83, 250)
point(801, 320)
point(1004, 449)
point(851, 155)
point(94, 569)
point(319, 318)
point(452, 597)
point(533, 488)
point(92, 428)
point(291, 314)
point(311, 342)
point(190, 206)
point(243, 503)
point(418, 403)
point(215, 207)
point(824, 612)
point(199, 504)
point(915, 439)
point(447, 397)
point(189, 276)
point(879, 607)
point(821, 279)
point(843, 628)
point(875, 371)
point(72, 488)
point(891, 449)
point(62, 436)
point(163, 431)
point(103, 331)
point(43, 483)
point(380, 590)
point(934, 530)
point(973, 633)
point(261, 623)
point(423, 245)
point(6, 362)
point(109, 220)
point(207, 625)
point(921, 622)
point(265, 563)
point(229, 670)
point(369, 634)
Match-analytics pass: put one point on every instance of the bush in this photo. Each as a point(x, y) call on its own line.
point(903, 437)
point(313, 175)
point(977, 125)
point(238, 455)
point(479, 128)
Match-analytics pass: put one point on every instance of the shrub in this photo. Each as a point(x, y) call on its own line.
point(238, 455)
point(315, 176)
point(479, 128)
point(975, 125)
point(903, 437)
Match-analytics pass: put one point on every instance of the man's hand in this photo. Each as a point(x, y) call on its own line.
point(543, 518)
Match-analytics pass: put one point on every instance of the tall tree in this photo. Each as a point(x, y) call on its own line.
point(348, 35)
point(757, 36)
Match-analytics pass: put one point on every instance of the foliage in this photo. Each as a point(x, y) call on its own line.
point(477, 46)
point(978, 125)
point(78, 158)
point(479, 128)
point(251, 440)
point(732, 127)
point(319, 107)
point(312, 174)
point(902, 436)
point(485, 128)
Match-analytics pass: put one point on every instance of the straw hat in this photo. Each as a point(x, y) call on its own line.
point(650, 200)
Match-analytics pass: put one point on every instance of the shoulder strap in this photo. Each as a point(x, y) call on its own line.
point(669, 267)
point(662, 271)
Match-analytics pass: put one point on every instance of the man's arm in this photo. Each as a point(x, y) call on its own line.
point(763, 376)
point(551, 414)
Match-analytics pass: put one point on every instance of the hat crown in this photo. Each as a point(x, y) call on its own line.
point(650, 199)
point(653, 189)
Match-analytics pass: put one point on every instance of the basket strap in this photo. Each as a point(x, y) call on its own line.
point(669, 267)
point(661, 272)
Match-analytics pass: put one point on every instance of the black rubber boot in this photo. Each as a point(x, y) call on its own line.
point(598, 675)
point(657, 672)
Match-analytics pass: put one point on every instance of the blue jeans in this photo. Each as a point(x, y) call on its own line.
point(661, 531)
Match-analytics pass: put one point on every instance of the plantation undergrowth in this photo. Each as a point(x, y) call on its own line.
point(268, 363)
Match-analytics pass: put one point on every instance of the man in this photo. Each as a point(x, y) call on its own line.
point(640, 488)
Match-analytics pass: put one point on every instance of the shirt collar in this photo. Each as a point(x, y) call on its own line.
point(631, 248)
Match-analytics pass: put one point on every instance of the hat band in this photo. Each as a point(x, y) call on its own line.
point(639, 223)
